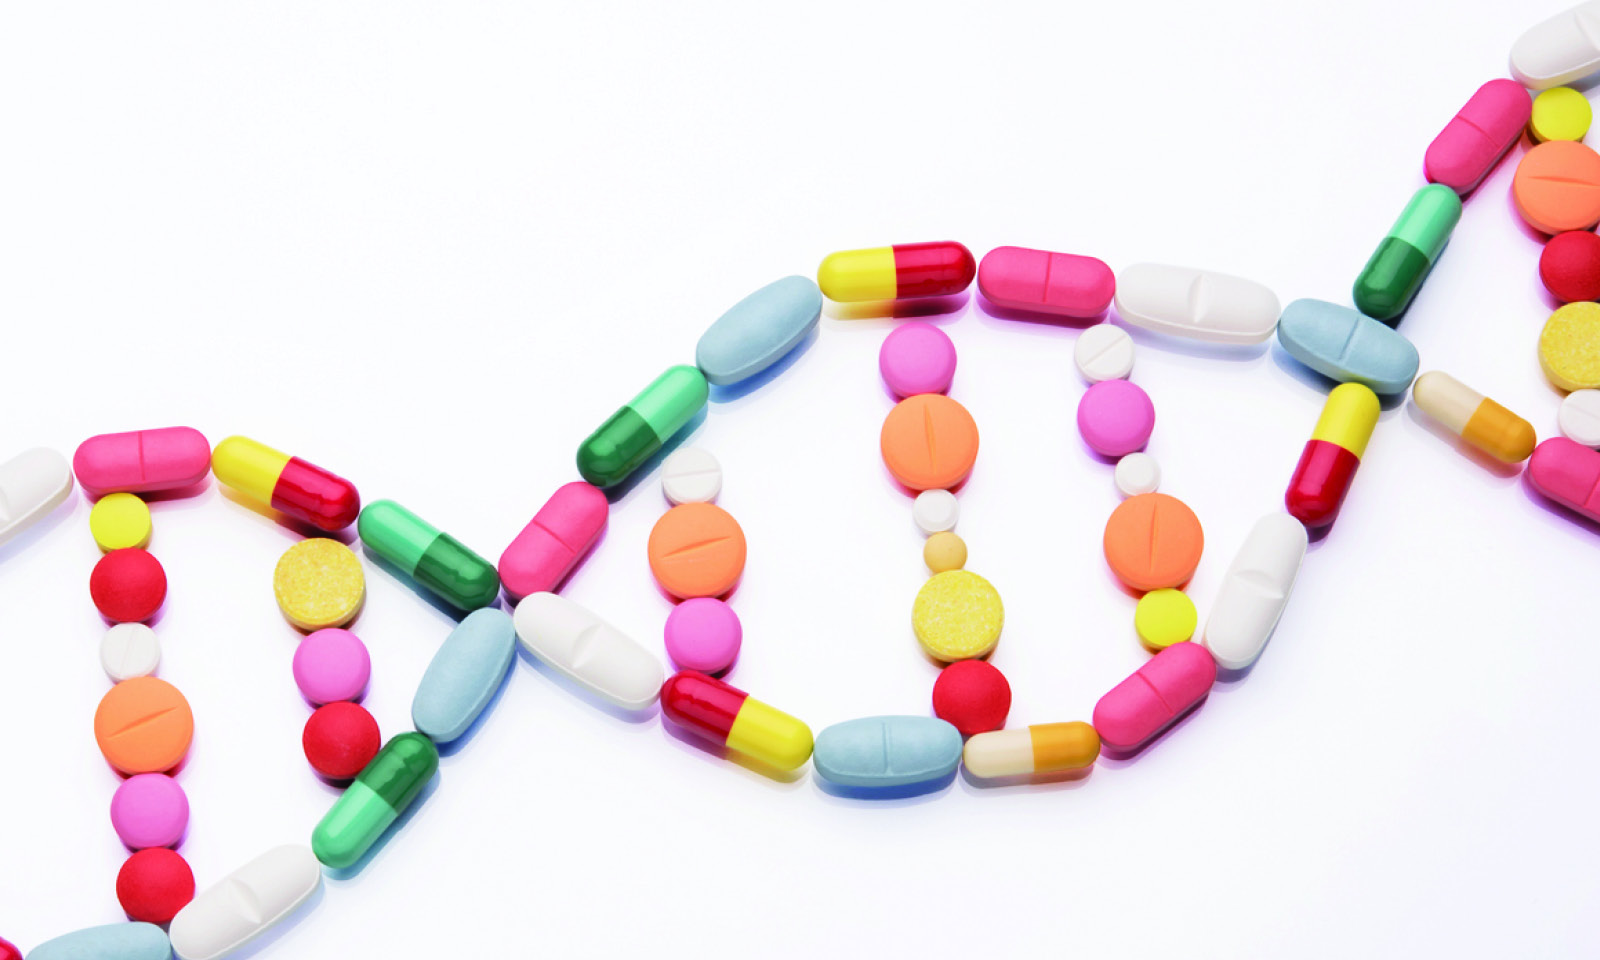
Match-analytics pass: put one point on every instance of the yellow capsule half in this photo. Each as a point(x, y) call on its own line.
point(1348, 418)
point(249, 467)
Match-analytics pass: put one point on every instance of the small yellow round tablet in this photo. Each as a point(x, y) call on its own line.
point(944, 551)
point(118, 521)
point(1561, 113)
point(1164, 617)
point(957, 616)
point(1569, 347)
point(319, 584)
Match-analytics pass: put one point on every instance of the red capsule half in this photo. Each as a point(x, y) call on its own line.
point(1328, 462)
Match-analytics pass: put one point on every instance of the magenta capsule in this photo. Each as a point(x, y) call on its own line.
point(553, 542)
point(142, 461)
point(1157, 694)
point(1057, 283)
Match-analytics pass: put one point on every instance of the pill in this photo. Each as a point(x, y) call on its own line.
point(340, 739)
point(1557, 187)
point(1579, 417)
point(1569, 474)
point(1255, 590)
point(128, 585)
point(1197, 304)
point(935, 511)
point(1329, 460)
point(697, 550)
point(1560, 113)
point(1042, 748)
point(114, 941)
point(758, 331)
point(590, 652)
point(129, 650)
point(331, 665)
point(463, 675)
point(973, 696)
point(8, 950)
point(1394, 274)
point(560, 535)
point(1103, 352)
point(120, 520)
point(729, 717)
point(1569, 347)
point(902, 271)
point(944, 551)
point(251, 899)
point(143, 725)
point(1153, 541)
point(917, 357)
point(376, 799)
point(435, 560)
point(1139, 708)
point(1062, 284)
point(1474, 141)
point(957, 616)
point(154, 884)
point(1559, 50)
point(142, 461)
point(691, 475)
point(1474, 417)
point(150, 810)
point(1569, 266)
point(929, 442)
point(623, 443)
point(1348, 346)
point(319, 584)
point(703, 634)
point(1164, 617)
point(32, 483)
point(887, 751)
point(1137, 473)
point(288, 484)
point(1115, 417)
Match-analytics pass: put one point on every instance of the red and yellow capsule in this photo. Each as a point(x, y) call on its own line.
point(899, 272)
point(1330, 458)
point(732, 718)
point(300, 489)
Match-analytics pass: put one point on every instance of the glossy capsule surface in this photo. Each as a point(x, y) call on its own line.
point(732, 718)
point(1329, 460)
point(1402, 261)
point(377, 798)
point(1474, 417)
point(900, 272)
point(435, 560)
point(1041, 748)
point(303, 490)
point(634, 433)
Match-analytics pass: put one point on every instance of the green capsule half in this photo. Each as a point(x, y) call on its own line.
point(377, 798)
point(1402, 261)
point(637, 431)
point(436, 560)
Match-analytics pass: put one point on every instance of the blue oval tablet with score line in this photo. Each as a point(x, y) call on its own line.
point(887, 751)
point(114, 941)
point(464, 674)
point(1348, 346)
point(759, 330)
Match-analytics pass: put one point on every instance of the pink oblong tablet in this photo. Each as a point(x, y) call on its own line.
point(1568, 473)
point(1116, 417)
point(332, 665)
point(553, 542)
point(703, 634)
point(142, 461)
point(1060, 283)
point(915, 358)
point(1140, 707)
point(1471, 144)
point(149, 810)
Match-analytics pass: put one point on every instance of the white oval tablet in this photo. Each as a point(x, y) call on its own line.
point(129, 650)
point(691, 475)
point(935, 511)
point(1137, 473)
point(594, 654)
point(1198, 304)
point(32, 483)
point(1103, 352)
point(1255, 590)
point(1559, 50)
point(244, 903)
point(1579, 417)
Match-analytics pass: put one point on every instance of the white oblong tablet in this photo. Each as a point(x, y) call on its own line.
point(592, 653)
point(1137, 473)
point(1560, 50)
point(1197, 304)
point(1255, 590)
point(129, 650)
point(691, 475)
point(32, 483)
point(244, 903)
point(935, 511)
point(1579, 417)
point(1103, 352)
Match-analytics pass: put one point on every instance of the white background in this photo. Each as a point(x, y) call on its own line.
point(432, 246)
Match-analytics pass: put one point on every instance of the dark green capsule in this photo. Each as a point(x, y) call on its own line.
point(1402, 261)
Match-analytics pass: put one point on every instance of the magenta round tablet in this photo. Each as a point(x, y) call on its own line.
point(332, 665)
point(703, 634)
point(1116, 417)
point(917, 358)
point(149, 810)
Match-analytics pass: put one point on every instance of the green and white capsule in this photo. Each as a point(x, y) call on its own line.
point(377, 798)
point(1402, 261)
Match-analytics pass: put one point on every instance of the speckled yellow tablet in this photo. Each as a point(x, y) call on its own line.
point(120, 520)
point(1560, 114)
point(944, 551)
point(319, 584)
point(1164, 617)
point(957, 616)
point(1569, 347)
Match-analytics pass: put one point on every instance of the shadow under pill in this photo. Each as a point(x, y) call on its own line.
point(1037, 782)
point(898, 796)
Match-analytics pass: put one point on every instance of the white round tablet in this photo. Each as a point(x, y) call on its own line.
point(1579, 417)
point(129, 650)
point(935, 511)
point(1103, 352)
point(1138, 473)
point(691, 475)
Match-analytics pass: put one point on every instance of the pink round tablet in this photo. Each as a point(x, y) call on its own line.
point(1116, 417)
point(703, 634)
point(332, 665)
point(917, 358)
point(149, 810)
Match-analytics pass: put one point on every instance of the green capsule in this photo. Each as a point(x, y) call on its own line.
point(637, 431)
point(1402, 261)
point(436, 560)
point(380, 793)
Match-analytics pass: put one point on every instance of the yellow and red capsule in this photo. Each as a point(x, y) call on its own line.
point(899, 272)
point(302, 490)
point(1329, 461)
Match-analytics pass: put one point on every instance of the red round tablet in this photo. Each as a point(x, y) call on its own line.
point(340, 739)
point(1570, 266)
point(973, 696)
point(154, 885)
point(128, 585)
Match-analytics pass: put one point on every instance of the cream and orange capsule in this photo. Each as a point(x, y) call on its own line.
point(900, 272)
point(302, 490)
point(1474, 417)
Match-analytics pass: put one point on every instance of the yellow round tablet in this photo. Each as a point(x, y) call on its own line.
point(1569, 347)
point(118, 521)
point(944, 551)
point(957, 616)
point(1560, 114)
point(319, 584)
point(1164, 617)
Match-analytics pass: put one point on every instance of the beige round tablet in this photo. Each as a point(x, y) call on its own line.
point(319, 584)
point(944, 551)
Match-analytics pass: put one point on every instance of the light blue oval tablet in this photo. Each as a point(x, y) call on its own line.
point(464, 674)
point(887, 751)
point(115, 941)
point(758, 330)
point(1340, 343)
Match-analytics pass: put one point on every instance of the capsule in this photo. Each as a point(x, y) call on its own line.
point(1474, 417)
point(377, 798)
point(436, 560)
point(637, 431)
point(303, 490)
point(1043, 748)
point(730, 717)
point(1331, 456)
point(1402, 261)
point(900, 272)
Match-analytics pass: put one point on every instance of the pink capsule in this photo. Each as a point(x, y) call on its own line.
point(142, 461)
point(1043, 282)
point(1568, 473)
point(1486, 128)
point(554, 541)
point(1140, 707)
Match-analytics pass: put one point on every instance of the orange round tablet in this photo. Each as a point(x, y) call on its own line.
point(143, 725)
point(929, 442)
point(1153, 541)
point(697, 550)
point(1557, 187)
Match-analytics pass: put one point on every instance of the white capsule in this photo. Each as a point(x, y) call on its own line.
point(1198, 304)
point(1103, 352)
point(592, 653)
point(1255, 590)
point(935, 511)
point(1560, 50)
point(129, 650)
point(1579, 417)
point(691, 475)
point(227, 915)
point(32, 483)
point(1137, 473)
